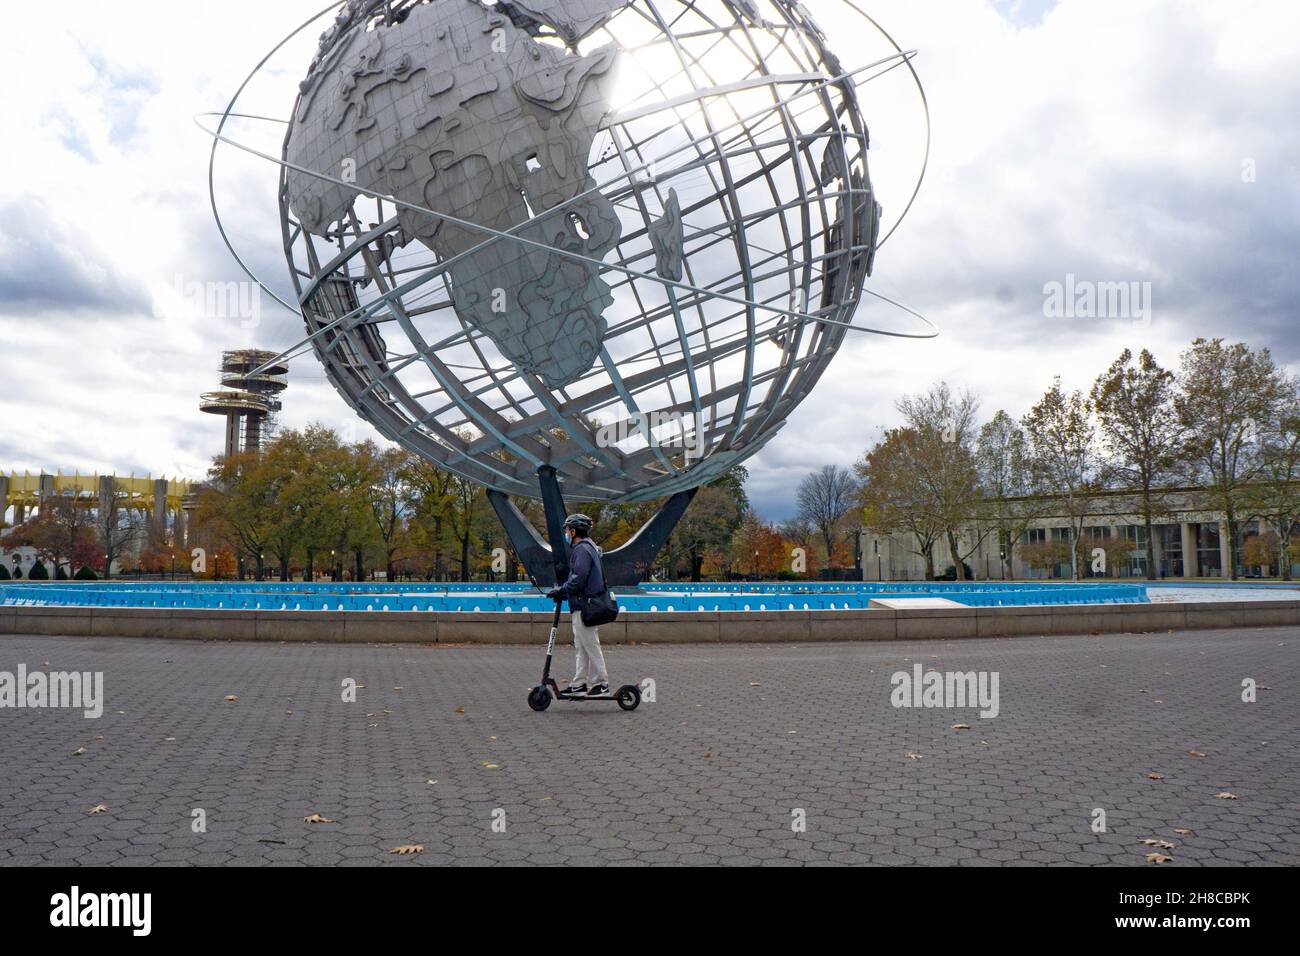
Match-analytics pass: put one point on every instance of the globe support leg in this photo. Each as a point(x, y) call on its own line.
point(628, 564)
point(625, 566)
point(532, 549)
point(553, 506)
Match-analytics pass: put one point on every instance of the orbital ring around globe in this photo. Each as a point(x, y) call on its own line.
point(217, 139)
point(510, 234)
point(365, 311)
point(454, 283)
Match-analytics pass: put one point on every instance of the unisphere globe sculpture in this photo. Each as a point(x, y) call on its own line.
point(619, 238)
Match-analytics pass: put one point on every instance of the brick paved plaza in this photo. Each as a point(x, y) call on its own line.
point(711, 772)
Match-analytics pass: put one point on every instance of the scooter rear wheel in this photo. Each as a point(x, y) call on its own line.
point(628, 696)
point(539, 698)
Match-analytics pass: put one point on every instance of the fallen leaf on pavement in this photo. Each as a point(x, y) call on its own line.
point(1162, 844)
point(1226, 795)
point(1159, 858)
point(79, 751)
point(1155, 776)
point(459, 710)
point(961, 726)
point(407, 849)
point(316, 818)
point(1195, 753)
point(912, 755)
point(1182, 831)
point(232, 697)
point(98, 808)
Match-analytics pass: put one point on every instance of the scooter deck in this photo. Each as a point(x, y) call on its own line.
point(628, 697)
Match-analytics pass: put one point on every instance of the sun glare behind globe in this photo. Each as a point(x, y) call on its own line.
point(513, 227)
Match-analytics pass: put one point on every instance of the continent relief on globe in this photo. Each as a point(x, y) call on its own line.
point(459, 110)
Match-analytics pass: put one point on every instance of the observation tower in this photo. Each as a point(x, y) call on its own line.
point(249, 393)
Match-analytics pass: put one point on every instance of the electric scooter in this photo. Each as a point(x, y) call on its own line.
point(539, 698)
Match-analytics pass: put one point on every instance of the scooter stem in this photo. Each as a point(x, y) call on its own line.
point(550, 643)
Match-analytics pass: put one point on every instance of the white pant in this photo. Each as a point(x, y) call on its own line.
point(590, 666)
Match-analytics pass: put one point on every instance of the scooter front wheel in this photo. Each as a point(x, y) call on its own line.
point(628, 696)
point(539, 698)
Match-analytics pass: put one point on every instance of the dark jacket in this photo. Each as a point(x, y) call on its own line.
point(586, 579)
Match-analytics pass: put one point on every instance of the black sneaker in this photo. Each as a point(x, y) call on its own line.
point(575, 689)
point(598, 690)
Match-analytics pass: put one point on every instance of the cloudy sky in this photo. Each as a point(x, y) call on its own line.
point(1111, 140)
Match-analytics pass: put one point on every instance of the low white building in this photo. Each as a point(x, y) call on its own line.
point(1190, 542)
point(23, 558)
point(19, 560)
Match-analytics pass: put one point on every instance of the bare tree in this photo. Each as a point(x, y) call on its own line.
point(117, 525)
point(798, 531)
point(825, 496)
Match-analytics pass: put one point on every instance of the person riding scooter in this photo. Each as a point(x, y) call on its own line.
point(586, 579)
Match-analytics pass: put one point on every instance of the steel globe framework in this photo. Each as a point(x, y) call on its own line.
point(731, 133)
point(594, 248)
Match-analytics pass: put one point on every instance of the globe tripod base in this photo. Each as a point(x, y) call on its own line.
point(625, 566)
